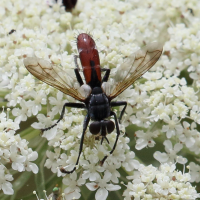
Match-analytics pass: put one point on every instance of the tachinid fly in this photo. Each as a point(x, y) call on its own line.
point(96, 94)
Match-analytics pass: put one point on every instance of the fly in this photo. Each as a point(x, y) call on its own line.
point(96, 94)
point(12, 31)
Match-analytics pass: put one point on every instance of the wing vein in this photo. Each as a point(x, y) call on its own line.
point(53, 75)
point(141, 62)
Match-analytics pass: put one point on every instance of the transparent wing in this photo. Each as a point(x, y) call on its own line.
point(63, 80)
point(133, 68)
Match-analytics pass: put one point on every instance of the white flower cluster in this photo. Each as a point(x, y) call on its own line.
point(166, 104)
point(88, 165)
point(14, 150)
point(164, 183)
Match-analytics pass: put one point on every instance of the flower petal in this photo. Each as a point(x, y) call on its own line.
point(7, 188)
point(101, 194)
point(112, 187)
point(92, 186)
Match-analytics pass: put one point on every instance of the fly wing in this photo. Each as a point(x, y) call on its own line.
point(134, 67)
point(55, 76)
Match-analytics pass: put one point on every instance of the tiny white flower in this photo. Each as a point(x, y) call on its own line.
point(58, 103)
point(31, 156)
point(171, 155)
point(103, 187)
point(17, 160)
point(4, 184)
point(91, 171)
point(194, 171)
point(46, 122)
point(173, 126)
point(51, 161)
point(73, 190)
point(129, 164)
point(188, 134)
point(141, 119)
point(145, 139)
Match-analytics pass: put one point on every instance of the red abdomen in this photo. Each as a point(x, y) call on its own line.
point(89, 58)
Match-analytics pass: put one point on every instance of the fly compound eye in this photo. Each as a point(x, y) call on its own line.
point(95, 127)
point(110, 126)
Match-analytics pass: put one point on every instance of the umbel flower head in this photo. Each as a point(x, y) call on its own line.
point(160, 183)
point(163, 107)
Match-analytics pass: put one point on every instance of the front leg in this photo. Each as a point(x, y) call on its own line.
point(78, 76)
point(72, 105)
point(76, 61)
point(107, 74)
point(77, 69)
point(119, 103)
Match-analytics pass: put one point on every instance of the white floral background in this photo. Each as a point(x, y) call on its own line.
point(162, 117)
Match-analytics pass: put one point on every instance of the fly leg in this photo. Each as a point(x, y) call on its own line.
point(106, 75)
point(76, 61)
point(76, 70)
point(85, 125)
point(118, 134)
point(72, 105)
point(78, 76)
point(119, 103)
